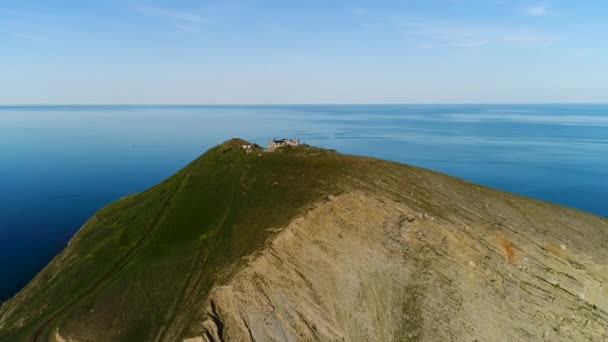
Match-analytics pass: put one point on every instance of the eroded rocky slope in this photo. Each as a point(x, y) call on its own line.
point(367, 268)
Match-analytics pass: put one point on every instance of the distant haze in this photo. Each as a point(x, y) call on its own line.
point(317, 51)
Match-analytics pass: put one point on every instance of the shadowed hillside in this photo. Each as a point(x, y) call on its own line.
point(308, 244)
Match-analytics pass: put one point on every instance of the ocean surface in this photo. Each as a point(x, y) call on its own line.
point(59, 164)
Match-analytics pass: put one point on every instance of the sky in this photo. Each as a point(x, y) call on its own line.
point(313, 51)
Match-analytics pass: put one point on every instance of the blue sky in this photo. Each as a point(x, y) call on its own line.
point(314, 51)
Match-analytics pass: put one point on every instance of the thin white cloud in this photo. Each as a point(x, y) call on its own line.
point(430, 32)
point(181, 18)
point(31, 28)
point(187, 27)
point(32, 37)
point(537, 11)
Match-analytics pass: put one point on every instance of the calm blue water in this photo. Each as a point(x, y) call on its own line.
point(58, 165)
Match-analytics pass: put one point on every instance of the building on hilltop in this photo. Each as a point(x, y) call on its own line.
point(274, 144)
point(247, 147)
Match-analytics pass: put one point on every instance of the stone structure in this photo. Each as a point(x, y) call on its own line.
point(274, 144)
point(247, 147)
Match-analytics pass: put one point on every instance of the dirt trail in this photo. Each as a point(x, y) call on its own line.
point(43, 328)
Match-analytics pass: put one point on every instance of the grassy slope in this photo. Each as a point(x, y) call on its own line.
point(136, 265)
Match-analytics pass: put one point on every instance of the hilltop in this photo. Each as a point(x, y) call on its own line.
point(308, 244)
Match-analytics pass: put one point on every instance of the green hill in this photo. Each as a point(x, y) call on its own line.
point(160, 265)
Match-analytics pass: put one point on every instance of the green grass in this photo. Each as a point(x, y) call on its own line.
point(142, 261)
point(141, 267)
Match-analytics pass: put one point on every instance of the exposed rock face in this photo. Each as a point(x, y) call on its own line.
point(363, 268)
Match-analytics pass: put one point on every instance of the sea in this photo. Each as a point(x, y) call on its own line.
point(60, 164)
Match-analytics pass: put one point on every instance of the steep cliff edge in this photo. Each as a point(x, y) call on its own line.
point(308, 244)
point(366, 268)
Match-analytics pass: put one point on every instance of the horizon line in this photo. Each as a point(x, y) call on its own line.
point(291, 104)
